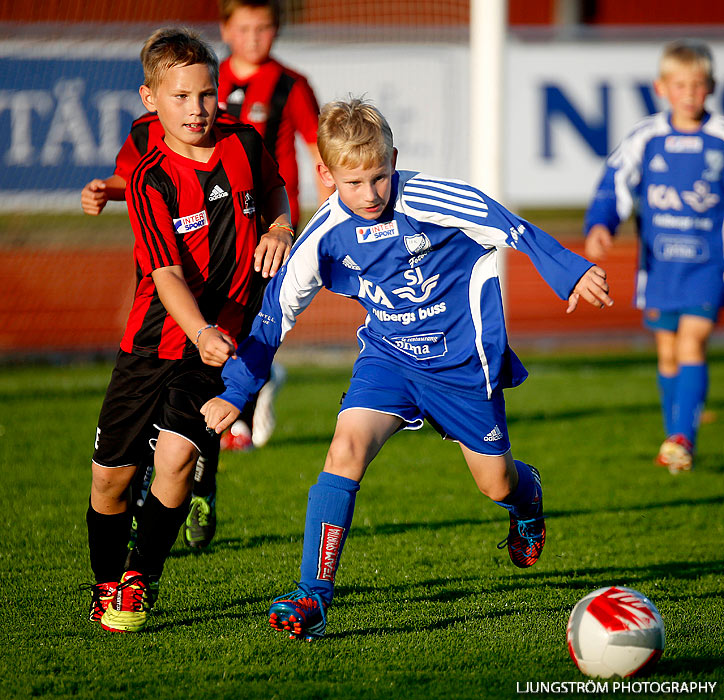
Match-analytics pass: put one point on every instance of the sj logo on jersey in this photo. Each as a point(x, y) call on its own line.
point(192, 222)
point(378, 232)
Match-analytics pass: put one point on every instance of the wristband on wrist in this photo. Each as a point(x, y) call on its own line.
point(286, 227)
point(201, 330)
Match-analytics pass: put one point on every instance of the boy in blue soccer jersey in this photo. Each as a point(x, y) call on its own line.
point(669, 171)
point(420, 254)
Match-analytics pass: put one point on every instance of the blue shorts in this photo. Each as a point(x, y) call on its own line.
point(657, 320)
point(477, 423)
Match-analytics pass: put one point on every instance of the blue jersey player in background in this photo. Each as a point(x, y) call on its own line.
point(669, 172)
point(420, 254)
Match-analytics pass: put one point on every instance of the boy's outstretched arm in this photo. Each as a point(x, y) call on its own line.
point(97, 193)
point(219, 414)
point(593, 288)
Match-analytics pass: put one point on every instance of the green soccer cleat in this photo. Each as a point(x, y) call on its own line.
point(130, 607)
point(302, 613)
point(200, 526)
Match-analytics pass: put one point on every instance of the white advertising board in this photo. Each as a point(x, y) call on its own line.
point(65, 110)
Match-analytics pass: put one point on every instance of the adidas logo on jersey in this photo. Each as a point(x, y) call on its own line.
point(217, 193)
point(494, 434)
point(351, 264)
point(658, 164)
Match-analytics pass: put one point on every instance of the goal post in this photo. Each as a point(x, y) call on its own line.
point(488, 28)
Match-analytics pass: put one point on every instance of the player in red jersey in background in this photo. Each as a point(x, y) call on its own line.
point(277, 101)
point(280, 104)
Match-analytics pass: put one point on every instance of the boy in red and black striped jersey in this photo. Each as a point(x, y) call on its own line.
point(277, 101)
point(197, 202)
point(200, 526)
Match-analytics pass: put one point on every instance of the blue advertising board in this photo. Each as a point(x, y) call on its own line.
point(62, 122)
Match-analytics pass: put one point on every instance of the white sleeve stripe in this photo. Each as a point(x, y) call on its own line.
point(483, 270)
point(715, 126)
point(475, 203)
point(627, 159)
point(464, 189)
point(442, 207)
point(321, 212)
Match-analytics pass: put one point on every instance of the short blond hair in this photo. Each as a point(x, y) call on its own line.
point(175, 46)
point(687, 53)
point(353, 134)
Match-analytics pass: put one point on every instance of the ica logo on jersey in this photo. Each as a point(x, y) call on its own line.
point(373, 292)
point(700, 198)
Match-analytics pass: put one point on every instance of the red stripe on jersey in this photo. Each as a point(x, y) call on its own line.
point(173, 339)
point(145, 133)
point(145, 291)
point(146, 208)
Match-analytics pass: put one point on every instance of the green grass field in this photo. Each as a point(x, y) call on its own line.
point(426, 606)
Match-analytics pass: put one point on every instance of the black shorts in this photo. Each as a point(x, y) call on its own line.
point(146, 395)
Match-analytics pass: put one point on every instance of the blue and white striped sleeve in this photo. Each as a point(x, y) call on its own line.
point(456, 204)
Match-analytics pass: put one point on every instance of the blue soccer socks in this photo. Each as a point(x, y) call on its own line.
point(691, 391)
point(329, 516)
point(667, 394)
point(525, 499)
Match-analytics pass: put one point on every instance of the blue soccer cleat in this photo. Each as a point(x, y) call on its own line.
point(526, 537)
point(302, 613)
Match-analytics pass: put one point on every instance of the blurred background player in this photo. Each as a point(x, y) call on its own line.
point(669, 172)
point(280, 104)
point(420, 255)
point(198, 201)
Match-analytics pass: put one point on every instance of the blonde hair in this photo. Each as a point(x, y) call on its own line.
point(353, 134)
point(227, 7)
point(175, 46)
point(687, 53)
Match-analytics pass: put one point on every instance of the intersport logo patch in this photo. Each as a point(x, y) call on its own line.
point(377, 232)
point(192, 222)
point(329, 545)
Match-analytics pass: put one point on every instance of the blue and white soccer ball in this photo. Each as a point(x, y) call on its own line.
point(615, 631)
